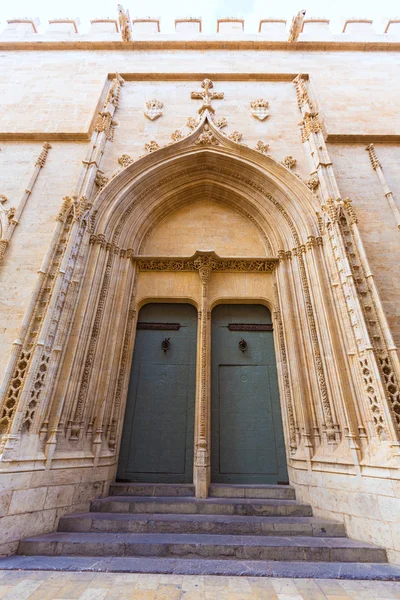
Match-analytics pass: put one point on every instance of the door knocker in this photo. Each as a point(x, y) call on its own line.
point(243, 345)
point(165, 344)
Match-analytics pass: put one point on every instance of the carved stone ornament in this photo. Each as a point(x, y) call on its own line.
point(313, 182)
point(125, 160)
point(220, 123)
point(192, 123)
point(3, 198)
point(235, 136)
point(259, 109)
point(261, 147)
point(207, 138)
point(296, 26)
point(289, 162)
point(207, 96)
point(152, 146)
point(177, 135)
point(124, 23)
point(101, 180)
point(154, 109)
point(208, 260)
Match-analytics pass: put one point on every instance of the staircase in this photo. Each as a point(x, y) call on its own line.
point(251, 529)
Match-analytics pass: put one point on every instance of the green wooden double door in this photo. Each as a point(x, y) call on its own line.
point(246, 425)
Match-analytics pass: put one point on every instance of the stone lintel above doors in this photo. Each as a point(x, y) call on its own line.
point(205, 259)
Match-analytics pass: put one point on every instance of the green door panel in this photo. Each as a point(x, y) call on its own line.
point(247, 434)
point(158, 434)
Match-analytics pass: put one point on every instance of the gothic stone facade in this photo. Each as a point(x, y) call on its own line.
point(201, 170)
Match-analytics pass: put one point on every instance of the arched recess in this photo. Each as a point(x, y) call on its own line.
point(81, 407)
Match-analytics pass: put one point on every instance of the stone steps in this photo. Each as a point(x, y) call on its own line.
point(152, 489)
point(240, 547)
point(215, 524)
point(278, 492)
point(210, 506)
point(237, 529)
point(204, 566)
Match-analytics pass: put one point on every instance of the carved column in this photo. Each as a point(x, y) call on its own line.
point(376, 165)
point(368, 336)
point(41, 362)
point(202, 467)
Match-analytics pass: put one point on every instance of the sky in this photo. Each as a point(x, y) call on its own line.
point(210, 10)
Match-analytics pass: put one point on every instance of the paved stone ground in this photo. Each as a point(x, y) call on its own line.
point(50, 585)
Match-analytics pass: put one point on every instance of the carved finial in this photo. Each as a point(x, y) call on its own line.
point(151, 146)
point(207, 96)
point(296, 26)
point(373, 157)
point(125, 160)
point(43, 155)
point(153, 109)
point(124, 24)
point(289, 162)
point(259, 109)
point(261, 147)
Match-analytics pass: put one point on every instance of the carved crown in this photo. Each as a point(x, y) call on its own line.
point(260, 103)
point(154, 104)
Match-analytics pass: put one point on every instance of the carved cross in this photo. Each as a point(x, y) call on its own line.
point(207, 96)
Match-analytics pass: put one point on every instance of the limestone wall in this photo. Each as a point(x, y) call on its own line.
point(53, 95)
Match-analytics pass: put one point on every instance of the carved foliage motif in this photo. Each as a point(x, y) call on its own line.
point(125, 160)
point(192, 123)
point(220, 122)
point(310, 124)
point(313, 182)
point(151, 147)
point(177, 135)
point(289, 162)
point(296, 26)
point(160, 264)
point(302, 93)
point(105, 122)
point(261, 147)
point(207, 138)
point(235, 136)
